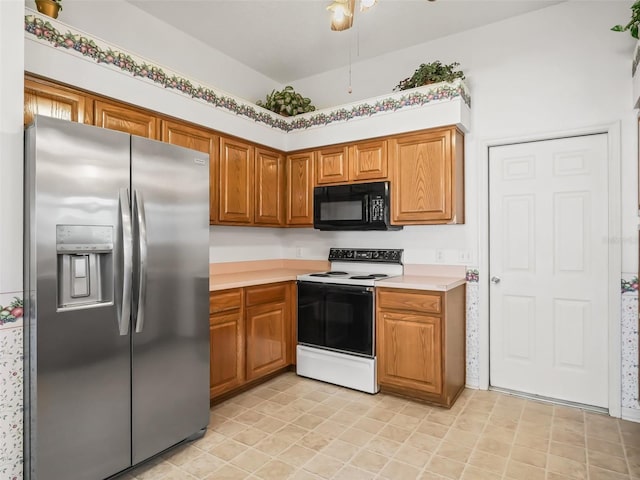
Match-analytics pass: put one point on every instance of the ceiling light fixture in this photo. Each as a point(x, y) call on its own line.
point(366, 4)
point(342, 12)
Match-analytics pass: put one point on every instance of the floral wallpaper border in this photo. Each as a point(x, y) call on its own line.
point(45, 31)
point(630, 285)
point(473, 275)
point(12, 312)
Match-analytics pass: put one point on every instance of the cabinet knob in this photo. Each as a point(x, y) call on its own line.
point(495, 280)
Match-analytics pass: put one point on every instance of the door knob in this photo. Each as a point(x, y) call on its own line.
point(495, 279)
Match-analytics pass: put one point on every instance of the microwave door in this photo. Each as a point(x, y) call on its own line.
point(341, 210)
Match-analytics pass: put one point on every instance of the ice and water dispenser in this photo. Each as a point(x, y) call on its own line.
point(85, 265)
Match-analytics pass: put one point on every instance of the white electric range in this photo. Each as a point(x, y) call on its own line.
point(336, 317)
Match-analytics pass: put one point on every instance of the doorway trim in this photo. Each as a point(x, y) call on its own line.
point(614, 236)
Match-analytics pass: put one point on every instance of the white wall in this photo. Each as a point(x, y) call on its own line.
point(550, 71)
point(131, 28)
point(233, 244)
point(11, 155)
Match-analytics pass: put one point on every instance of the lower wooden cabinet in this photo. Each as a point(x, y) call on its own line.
point(421, 343)
point(251, 334)
point(226, 333)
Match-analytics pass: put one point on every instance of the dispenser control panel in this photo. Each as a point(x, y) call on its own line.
point(84, 238)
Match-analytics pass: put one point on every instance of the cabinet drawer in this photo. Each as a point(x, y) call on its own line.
point(414, 300)
point(225, 300)
point(266, 294)
point(224, 318)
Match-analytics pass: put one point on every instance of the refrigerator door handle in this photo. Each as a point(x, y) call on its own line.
point(127, 261)
point(138, 206)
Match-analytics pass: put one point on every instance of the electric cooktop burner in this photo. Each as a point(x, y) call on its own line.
point(329, 274)
point(358, 267)
point(368, 277)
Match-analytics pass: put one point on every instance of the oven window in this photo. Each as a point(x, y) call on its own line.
point(336, 317)
point(344, 210)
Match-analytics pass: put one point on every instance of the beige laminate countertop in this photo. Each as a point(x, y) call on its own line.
point(245, 274)
point(422, 282)
point(255, 277)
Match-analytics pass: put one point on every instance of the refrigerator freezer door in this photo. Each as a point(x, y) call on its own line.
point(77, 408)
point(170, 369)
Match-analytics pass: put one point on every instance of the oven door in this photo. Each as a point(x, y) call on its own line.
point(336, 317)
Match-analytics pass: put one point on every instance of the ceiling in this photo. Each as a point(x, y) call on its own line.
point(287, 40)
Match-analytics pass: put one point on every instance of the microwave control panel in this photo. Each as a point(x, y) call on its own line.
point(366, 255)
point(377, 208)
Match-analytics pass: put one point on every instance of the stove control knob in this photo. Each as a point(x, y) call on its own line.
point(350, 254)
point(376, 254)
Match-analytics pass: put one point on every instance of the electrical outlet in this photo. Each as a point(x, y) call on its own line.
point(440, 256)
point(464, 256)
point(298, 252)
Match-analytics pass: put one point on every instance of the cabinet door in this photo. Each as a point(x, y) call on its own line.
point(410, 351)
point(227, 355)
point(236, 181)
point(331, 165)
point(422, 177)
point(269, 188)
point(368, 161)
point(125, 119)
point(41, 98)
point(266, 334)
point(300, 189)
point(198, 139)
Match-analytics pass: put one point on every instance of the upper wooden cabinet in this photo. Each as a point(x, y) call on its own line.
point(236, 171)
point(427, 177)
point(368, 161)
point(125, 119)
point(252, 185)
point(269, 188)
point(364, 161)
point(299, 204)
point(332, 165)
point(199, 139)
point(44, 98)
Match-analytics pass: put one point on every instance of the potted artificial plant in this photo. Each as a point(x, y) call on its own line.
point(49, 7)
point(634, 22)
point(286, 102)
point(433, 72)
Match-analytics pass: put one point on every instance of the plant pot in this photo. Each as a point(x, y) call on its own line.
point(48, 7)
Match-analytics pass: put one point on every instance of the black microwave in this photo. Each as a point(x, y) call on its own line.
point(361, 206)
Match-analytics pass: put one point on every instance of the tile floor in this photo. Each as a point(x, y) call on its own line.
point(295, 428)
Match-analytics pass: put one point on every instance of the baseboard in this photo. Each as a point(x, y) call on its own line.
point(631, 414)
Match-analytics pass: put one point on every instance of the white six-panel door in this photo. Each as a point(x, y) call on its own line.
point(548, 268)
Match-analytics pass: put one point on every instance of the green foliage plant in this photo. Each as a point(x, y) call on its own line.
point(286, 102)
point(634, 22)
point(431, 73)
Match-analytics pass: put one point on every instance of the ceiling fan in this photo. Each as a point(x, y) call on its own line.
point(342, 12)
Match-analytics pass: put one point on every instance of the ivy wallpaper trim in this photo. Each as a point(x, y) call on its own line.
point(48, 31)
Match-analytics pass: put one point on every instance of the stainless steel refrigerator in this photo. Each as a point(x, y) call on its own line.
point(116, 292)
